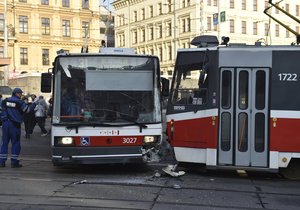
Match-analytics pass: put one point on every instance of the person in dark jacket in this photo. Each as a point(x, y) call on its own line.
point(12, 117)
point(29, 120)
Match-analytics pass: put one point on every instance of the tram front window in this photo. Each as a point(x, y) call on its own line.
point(191, 80)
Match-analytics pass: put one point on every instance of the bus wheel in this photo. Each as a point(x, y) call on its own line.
point(292, 172)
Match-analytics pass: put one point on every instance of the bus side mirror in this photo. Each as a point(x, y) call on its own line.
point(46, 82)
point(165, 84)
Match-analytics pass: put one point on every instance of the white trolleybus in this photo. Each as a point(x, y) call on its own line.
point(236, 107)
point(107, 107)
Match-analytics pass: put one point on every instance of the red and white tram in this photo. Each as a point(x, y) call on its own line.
point(236, 106)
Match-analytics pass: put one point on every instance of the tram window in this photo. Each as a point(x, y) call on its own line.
point(189, 90)
point(243, 132)
point(225, 131)
point(259, 132)
point(243, 90)
point(260, 90)
point(226, 89)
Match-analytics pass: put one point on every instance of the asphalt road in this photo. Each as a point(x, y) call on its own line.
point(39, 185)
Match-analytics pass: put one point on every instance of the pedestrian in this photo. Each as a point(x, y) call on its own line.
point(12, 117)
point(50, 111)
point(29, 119)
point(40, 112)
point(33, 122)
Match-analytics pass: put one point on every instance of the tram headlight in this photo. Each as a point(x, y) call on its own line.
point(64, 141)
point(150, 139)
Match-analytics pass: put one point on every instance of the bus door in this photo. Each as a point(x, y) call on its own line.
point(243, 125)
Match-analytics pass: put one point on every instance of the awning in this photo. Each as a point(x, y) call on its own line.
point(4, 62)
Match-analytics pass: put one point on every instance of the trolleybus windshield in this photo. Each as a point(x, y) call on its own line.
point(106, 89)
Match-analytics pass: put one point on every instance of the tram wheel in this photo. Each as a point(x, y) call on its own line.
point(292, 172)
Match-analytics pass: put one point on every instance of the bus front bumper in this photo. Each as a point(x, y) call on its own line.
point(96, 155)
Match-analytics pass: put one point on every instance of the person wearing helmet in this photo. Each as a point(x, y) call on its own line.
point(12, 117)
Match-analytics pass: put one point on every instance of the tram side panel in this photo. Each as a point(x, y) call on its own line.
point(285, 106)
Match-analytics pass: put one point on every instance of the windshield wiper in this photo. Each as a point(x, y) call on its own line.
point(142, 125)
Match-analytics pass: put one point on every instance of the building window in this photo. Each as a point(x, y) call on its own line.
point(266, 4)
point(254, 5)
point(151, 33)
point(244, 6)
point(185, 24)
point(297, 10)
point(244, 27)
point(143, 37)
point(188, 24)
point(208, 2)
point(66, 3)
point(134, 16)
point(85, 29)
point(1, 52)
point(134, 37)
point(45, 26)
point(45, 2)
point(231, 4)
point(23, 56)
point(143, 14)
point(267, 28)
point(169, 29)
point(208, 24)
point(45, 56)
point(1, 22)
point(66, 27)
point(23, 24)
point(231, 25)
point(215, 3)
point(277, 30)
point(24, 1)
point(287, 8)
point(287, 33)
point(85, 4)
point(160, 53)
point(169, 4)
point(151, 11)
point(160, 31)
point(255, 28)
point(159, 10)
point(169, 52)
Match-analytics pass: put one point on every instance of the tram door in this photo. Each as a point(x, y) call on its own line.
point(243, 124)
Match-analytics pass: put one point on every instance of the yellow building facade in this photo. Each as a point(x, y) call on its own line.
point(160, 27)
point(37, 29)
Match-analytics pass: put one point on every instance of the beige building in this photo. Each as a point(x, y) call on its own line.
point(160, 27)
point(37, 29)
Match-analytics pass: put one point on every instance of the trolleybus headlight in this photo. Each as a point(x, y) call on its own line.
point(150, 139)
point(64, 141)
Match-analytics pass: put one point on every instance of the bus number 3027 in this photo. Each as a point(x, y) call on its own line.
point(130, 140)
